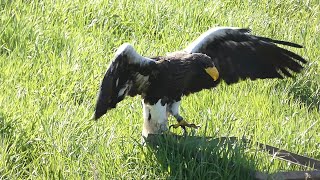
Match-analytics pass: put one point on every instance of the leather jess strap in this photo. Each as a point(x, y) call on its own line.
point(282, 154)
point(290, 156)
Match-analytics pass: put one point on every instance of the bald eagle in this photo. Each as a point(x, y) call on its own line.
point(221, 54)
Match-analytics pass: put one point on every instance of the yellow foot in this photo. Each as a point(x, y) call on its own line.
point(183, 124)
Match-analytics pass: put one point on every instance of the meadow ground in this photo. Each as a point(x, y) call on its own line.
point(53, 55)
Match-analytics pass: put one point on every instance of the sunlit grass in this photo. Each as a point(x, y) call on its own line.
point(53, 55)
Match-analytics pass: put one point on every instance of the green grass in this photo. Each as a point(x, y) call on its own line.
point(53, 55)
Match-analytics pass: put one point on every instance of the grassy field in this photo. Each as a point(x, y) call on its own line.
point(53, 55)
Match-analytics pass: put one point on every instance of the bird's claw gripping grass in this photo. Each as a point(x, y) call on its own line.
point(184, 124)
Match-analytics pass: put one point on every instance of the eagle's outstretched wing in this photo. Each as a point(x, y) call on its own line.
point(127, 74)
point(239, 55)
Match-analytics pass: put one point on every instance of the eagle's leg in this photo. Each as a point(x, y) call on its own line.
point(155, 118)
point(174, 111)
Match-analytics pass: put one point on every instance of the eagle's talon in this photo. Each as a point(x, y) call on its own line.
point(184, 124)
point(175, 126)
point(192, 126)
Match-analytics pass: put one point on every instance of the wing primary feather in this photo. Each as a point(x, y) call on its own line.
point(285, 72)
point(279, 42)
point(293, 55)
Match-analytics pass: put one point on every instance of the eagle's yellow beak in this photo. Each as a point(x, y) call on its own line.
point(213, 72)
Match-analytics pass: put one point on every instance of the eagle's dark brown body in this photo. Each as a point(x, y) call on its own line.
point(178, 75)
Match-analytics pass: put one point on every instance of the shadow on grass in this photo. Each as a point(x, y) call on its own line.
point(201, 158)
